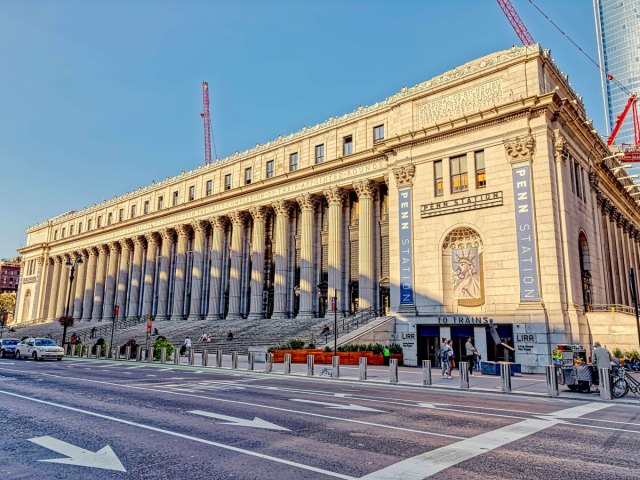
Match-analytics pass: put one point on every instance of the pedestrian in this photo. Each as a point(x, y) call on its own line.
point(230, 335)
point(601, 359)
point(471, 353)
point(186, 347)
point(443, 357)
point(155, 331)
point(452, 359)
point(93, 332)
point(202, 338)
point(385, 354)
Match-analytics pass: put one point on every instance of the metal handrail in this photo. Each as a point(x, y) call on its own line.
point(613, 308)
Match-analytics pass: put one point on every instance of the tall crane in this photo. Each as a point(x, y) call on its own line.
point(631, 152)
point(516, 22)
point(207, 123)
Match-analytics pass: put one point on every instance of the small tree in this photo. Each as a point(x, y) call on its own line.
point(66, 321)
point(160, 343)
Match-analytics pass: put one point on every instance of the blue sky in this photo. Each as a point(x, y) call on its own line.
point(98, 98)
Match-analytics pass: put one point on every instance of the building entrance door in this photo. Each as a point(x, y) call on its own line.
point(459, 336)
point(428, 344)
point(496, 352)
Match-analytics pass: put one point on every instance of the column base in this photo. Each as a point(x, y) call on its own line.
point(193, 317)
point(85, 319)
point(162, 318)
point(95, 319)
point(213, 316)
point(280, 316)
point(133, 317)
point(234, 316)
point(255, 316)
point(305, 316)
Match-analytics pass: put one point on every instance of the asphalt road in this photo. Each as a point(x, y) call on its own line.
point(113, 420)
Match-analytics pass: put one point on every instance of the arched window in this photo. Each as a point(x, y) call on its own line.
point(462, 267)
point(585, 271)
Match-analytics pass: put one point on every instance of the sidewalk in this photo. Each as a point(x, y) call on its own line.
point(527, 384)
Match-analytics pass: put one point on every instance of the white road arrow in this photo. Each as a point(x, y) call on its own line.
point(338, 406)
point(241, 422)
point(103, 458)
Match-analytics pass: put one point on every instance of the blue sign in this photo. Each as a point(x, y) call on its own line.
point(525, 234)
point(406, 247)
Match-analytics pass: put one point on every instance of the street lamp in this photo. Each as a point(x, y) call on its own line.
point(71, 263)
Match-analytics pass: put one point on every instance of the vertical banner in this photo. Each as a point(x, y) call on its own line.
point(525, 234)
point(406, 247)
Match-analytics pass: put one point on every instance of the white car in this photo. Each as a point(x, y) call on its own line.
point(39, 349)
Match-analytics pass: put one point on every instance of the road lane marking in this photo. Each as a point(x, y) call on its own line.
point(435, 461)
point(105, 458)
point(338, 406)
point(182, 435)
point(269, 407)
point(240, 422)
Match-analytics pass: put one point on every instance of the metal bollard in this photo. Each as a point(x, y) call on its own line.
point(116, 353)
point(505, 377)
point(73, 350)
point(287, 363)
point(67, 350)
point(192, 357)
point(251, 360)
point(127, 352)
point(176, 356)
point(605, 384)
point(464, 375)
point(268, 363)
point(552, 381)
point(393, 370)
point(426, 373)
point(163, 355)
point(335, 367)
point(139, 351)
point(219, 358)
point(362, 372)
point(310, 365)
point(205, 358)
point(150, 354)
point(234, 360)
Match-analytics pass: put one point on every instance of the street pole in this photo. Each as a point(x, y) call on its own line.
point(335, 325)
point(116, 310)
point(634, 296)
point(66, 310)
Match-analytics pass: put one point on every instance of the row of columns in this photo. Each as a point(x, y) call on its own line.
point(120, 272)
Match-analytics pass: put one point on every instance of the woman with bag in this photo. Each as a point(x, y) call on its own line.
point(452, 360)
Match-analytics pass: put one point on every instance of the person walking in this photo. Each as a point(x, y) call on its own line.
point(443, 357)
point(452, 359)
point(601, 359)
point(471, 353)
point(186, 347)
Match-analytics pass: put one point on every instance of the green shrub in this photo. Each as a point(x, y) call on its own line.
point(296, 344)
point(311, 346)
point(328, 349)
point(617, 352)
point(159, 344)
point(377, 348)
point(395, 348)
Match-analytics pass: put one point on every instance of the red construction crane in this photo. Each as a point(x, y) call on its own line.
point(516, 22)
point(207, 123)
point(631, 152)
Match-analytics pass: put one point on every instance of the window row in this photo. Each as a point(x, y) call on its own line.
point(459, 174)
point(578, 183)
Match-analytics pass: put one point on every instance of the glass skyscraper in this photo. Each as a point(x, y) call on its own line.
point(618, 30)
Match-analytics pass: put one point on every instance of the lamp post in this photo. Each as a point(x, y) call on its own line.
point(71, 263)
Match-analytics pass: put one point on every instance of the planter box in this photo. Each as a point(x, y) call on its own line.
point(322, 357)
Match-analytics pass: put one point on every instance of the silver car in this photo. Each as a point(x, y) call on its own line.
point(38, 349)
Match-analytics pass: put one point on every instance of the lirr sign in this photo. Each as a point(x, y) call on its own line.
point(406, 247)
point(525, 234)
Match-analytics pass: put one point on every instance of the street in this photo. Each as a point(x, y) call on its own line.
point(103, 419)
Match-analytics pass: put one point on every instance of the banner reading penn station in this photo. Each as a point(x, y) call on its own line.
point(527, 258)
point(406, 247)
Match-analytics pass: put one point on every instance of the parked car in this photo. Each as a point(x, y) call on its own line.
point(38, 349)
point(8, 347)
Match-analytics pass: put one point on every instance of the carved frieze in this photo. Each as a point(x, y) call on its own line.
point(404, 175)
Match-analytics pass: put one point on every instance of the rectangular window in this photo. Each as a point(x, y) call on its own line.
point(438, 179)
point(79, 227)
point(55, 234)
point(133, 211)
point(70, 230)
point(347, 145)
point(293, 162)
point(63, 231)
point(146, 206)
point(99, 222)
point(89, 224)
point(378, 133)
point(573, 182)
point(576, 167)
point(227, 181)
point(481, 176)
point(459, 179)
point(270, 169)
point(192, 193)
point(160, 202)
point(248, 174)
point(209, 187)
point(121, 215)
point(175, 198)
point(319, 153)
point(110, 218)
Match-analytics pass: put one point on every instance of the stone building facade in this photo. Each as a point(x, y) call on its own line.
point(481, 196)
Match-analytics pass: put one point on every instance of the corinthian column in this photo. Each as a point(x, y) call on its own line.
point(153, 240)
point(61, 303)
point(235, 273)
point(283, 211)
point(335, 197)
point(123, 277)
point(98, 293)
point(199, 241)
point(365, 190)
point(218, 226)
point(181, 257)
point(90, 281)
point(168, 237)
point(110, 286)
point(79, 292)
point(259, 215)
point(136, 273)
point(308, 205)
point(55, 286)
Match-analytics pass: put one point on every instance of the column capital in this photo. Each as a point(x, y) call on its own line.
point(183, 230)
point(126, 244)
point(152, 238)
point(335, 195)
point(307, 201)
point(57, 259)
point(238, 219)
point(167, 234)
point(93, 251)
point(139, 241)
point(282, 208)
point(114, 247)
point(259, 213)
point(365, 188)
point(520, 148)
point(220, 222)
point(561, 149)
point(404, 175)
point(200, 226)
point(40, 260)
point(103, 249)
